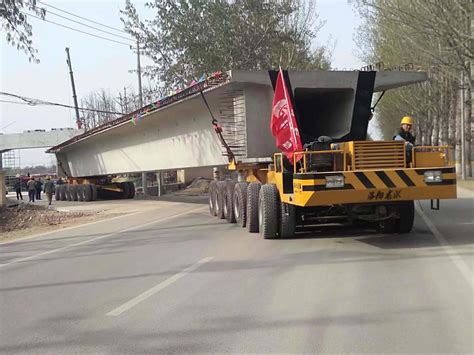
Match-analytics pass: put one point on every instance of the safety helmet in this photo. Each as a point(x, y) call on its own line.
point(407, 120)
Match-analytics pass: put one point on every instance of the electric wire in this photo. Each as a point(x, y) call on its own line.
point(75, 29)
point(38, 102)
point(83, 24)
point(83, 18)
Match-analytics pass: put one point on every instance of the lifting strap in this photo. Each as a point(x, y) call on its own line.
point(218, 130)
point(376, 102)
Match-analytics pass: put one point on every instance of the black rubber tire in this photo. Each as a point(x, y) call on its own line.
point(388, 226)
point(240, 203)
point(87, 192)
point(221, 185)
point(94, 192)
point(57, 195)
point(253, 191)
point(73, 192)
point(268, 209)
point(287, 220)
point(80, 193)
point(212, 198)
point(62, 193)
point(69, 192)
point(407, 217)
point(132, 189)
point(125, 190)
point(229, 202)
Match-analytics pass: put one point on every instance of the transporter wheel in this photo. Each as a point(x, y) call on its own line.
point(87, 192)
point(407, 217)
point(229, 202)
point(62, 193)
point(240, 203)
point(69, 192)
point(94, 192)
point(287, 220)
point(80, 192)
point(253, 191)
point(125, 190)
point(268, 206)
point(220, 197)
point(388, 226)
point(57, 195)
point(131, 189)
point(212, 198)
point(73, 192)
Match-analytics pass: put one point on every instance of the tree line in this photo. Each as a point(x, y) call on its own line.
point(187, 38)
point(434, 36)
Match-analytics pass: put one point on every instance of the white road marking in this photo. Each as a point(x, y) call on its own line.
point(101, 237)
point(147, 294)
point(455, 258)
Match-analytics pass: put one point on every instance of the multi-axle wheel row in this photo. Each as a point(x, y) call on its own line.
point(252, 205)
point(90, 192)
point(70, 192)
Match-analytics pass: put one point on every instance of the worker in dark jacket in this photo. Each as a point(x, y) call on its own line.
point(49, 189)
point(31, 185)
point(18, 188)
point(39, 187)
point(405, 135)
point(405, 131)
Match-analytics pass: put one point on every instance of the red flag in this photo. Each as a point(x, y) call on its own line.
point(283, 122)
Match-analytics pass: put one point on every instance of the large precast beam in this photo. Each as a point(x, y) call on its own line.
point(36, 139)
point(181, 135)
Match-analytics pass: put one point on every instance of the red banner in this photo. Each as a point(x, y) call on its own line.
point(283, 122)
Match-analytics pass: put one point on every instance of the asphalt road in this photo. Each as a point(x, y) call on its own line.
point(174, 280)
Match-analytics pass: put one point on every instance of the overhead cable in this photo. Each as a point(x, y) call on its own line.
point(75, 29)
point(84, 18)
point(86, 25)
point(38, 102)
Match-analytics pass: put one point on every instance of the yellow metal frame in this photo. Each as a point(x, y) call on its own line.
point(378, 185)
point(445, 150)
point(304, 168)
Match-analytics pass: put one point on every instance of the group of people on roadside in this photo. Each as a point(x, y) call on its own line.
point(34, 188)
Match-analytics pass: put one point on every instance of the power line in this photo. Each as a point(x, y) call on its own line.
point(35, 102)
point(75, 29)
point(83, 24)
point(84, 18)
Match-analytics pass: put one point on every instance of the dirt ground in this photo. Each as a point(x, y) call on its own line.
point(20, 219)
point(23, 219)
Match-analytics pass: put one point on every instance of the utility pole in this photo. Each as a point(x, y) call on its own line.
point(463, 138)
point(74, 96)
point(139, 70)
point(125, 99)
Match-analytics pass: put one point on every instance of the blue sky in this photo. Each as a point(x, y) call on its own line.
point(100, 64)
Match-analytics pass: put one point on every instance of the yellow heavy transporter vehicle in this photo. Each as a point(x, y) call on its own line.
point(335, 181)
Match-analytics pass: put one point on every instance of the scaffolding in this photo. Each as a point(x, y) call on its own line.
point(11, 163)
point(11, 160)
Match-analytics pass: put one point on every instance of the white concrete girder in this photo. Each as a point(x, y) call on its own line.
point(36, 139)
point(181, 135)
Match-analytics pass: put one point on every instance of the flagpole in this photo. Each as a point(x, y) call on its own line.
point(292, 128)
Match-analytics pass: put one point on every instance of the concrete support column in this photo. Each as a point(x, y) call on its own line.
point(159, 182)
point(144, 183)
point(3, 198)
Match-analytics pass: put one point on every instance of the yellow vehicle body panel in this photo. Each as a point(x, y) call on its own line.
point(368, 186)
